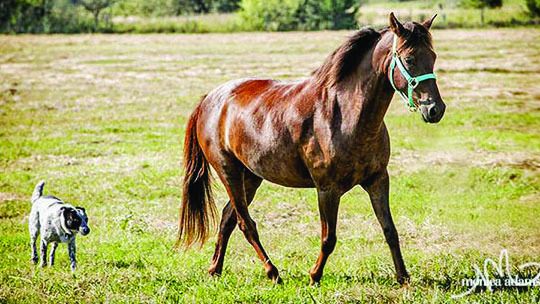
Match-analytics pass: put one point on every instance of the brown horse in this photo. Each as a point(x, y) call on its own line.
point(326, 132)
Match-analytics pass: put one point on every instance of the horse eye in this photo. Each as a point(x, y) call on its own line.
point(409, 60)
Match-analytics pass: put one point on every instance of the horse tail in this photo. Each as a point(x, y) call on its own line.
point(38, 191)
point(198, 210)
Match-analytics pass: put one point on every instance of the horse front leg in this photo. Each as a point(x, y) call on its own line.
point(328, 210)
point(378, 190)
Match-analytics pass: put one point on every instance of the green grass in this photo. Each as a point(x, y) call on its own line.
point(101, 118)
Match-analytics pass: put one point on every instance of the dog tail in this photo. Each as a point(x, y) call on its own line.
point(198, 210)
point(38, 191)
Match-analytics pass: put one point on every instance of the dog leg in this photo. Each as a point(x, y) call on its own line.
point(33, 239)
point(43, 253)
point(54, 245)
point(72, 250)
point(33, 227)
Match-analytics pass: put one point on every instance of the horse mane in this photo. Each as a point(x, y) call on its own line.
point(415, 35)
point(344, 60)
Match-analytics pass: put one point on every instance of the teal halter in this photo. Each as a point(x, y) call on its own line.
point(412, 82)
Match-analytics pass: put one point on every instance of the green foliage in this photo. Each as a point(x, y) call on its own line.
point(268, 15)
point(95, 7)
point(49, 16)
point(195, 6)
point(7, 10)
point(206, 6)
point(188, 16)
point(481, 3)
point(149, 8)
point(154, 8)
point(69, 16)
point(534, 7)
point(226, 6)
point(327, 14)
point(64, 17)
point(298, 14)
point(211, 23)
point(24, 15)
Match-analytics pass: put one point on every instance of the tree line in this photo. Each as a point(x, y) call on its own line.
point(76, 16)
point(70, 16)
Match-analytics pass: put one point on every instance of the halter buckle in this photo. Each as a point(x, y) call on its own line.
point(413, 82)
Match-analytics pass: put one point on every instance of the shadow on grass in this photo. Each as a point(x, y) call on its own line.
point(122, 264)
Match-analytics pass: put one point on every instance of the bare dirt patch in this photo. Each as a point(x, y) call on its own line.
point(411, 161)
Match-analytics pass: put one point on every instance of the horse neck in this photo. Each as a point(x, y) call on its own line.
point(366, 95)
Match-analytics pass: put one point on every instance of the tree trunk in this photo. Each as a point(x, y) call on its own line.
point(96, 20)
point(482, 16)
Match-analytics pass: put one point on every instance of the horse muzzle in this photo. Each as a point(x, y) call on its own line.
point(432, 112)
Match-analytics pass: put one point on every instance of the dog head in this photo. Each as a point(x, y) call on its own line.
point(75, 219)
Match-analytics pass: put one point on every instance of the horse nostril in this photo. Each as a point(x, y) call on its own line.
point(433, 111)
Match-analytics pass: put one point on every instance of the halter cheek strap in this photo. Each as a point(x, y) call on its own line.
point(412, 82)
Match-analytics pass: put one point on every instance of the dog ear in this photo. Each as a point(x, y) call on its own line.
point(81, 208)
point(65, 211)
point(68, 212)
point(65, 215)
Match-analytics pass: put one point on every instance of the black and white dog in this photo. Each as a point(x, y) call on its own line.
point(57, 222)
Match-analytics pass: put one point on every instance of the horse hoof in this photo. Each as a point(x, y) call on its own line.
point(314, 281)
point(404, 281)
point(273, 275)
point(314, 278)
point(214, 272)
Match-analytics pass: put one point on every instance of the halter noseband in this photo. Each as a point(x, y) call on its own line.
point(412, 82)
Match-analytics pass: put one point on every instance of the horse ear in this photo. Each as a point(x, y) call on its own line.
point(427, 23)
point(395, 25)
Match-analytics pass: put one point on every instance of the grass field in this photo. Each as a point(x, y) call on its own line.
point(101, 118)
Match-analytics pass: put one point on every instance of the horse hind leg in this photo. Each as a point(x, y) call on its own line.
point(232, 176)
point(229, 221)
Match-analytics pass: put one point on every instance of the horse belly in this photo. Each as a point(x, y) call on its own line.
point(282, 168)
point(270, 154)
